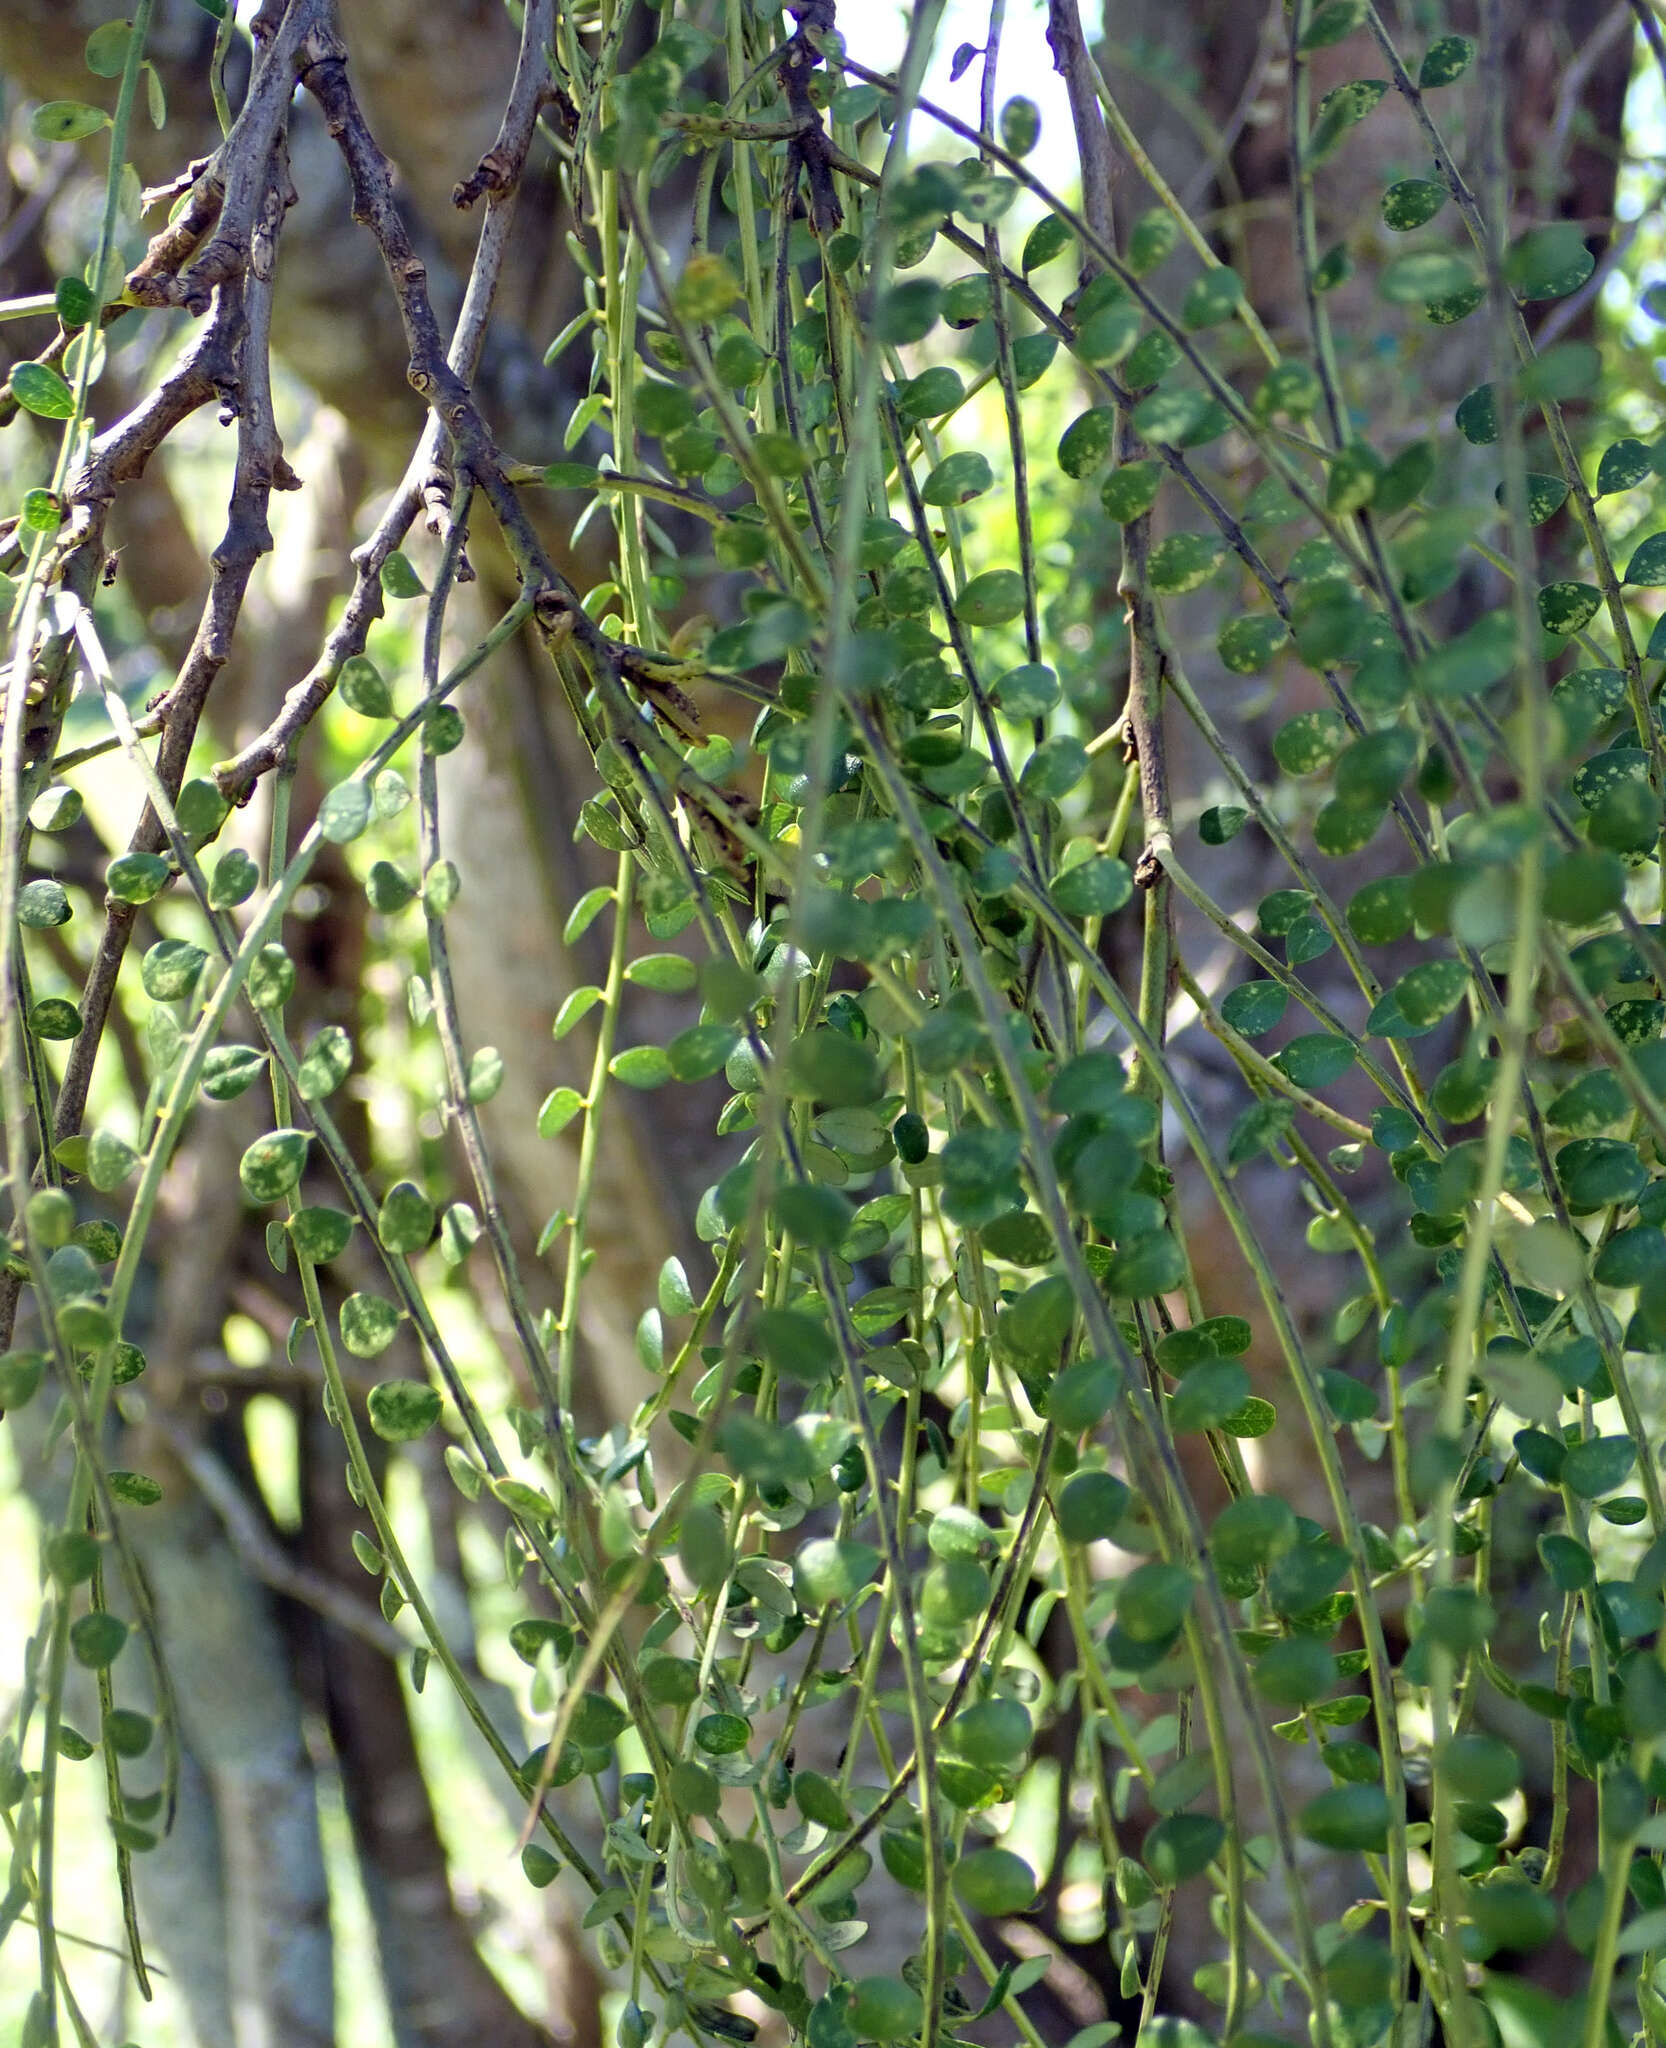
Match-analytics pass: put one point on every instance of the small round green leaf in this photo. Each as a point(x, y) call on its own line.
point(1598, 1465)
point(1423, 276)
point(110, 1160)
point(1090, 1506)
point(1354, 1817)
point(1566, 607)
point(701, 1050)
point(1049, 238)
point(42, 391)
point(405, 1222)
point(669, 973)
point(136, 877)
point(97, 1640)
point(1093, 888)
point(1131, 490)
point(1254, 1530)
point(994, 598)
point(994, 1882)
point(1181, 1845)
point(1315, 1059)
point(273, 1165)
point(992, 1733)
point(106, 52)
point(1647, 566)
point(345, 812)
point(231, 1070)
point(885, 2009)
point(368, 1324)
point(64, 121)
point(41, 905)
point(54, 1017)
point(399, 577)
point(958, 479)
point(1431, 991)
point(1185, 561)
point(1086, 442)
point(402, 1410)
point(1246, 645)
point(1310, 741)
point(328, 1062)
point(1294, 1672)
point(559, 1108)
point(320, 1234)
point(641, 1066)
point(233, 880)
point(1411, 202)
point(363, 689)
point(1212, 298)
point(1445, 61)
point(170, 968)
point(1255, 1007)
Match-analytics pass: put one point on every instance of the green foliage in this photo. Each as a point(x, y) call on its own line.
point(980, 1418)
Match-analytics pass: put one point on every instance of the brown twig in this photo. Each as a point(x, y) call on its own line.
point(1074, 63)
point(473, 451)
point(260, 469)
point(426, 482)
point(231, 195)
point(499, 170)
point(811, 149)
point(230, 361)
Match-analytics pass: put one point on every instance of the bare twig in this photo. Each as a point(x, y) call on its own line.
point(811, 148)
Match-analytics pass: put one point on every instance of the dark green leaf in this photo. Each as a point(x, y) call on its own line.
point(958, 479)
point(1548, 262)
point(97, 1640)
point(993, 598)
point(136, 877)
point(1352, 1817)
point(1091, 1505)
point(1445, 61)
point(1255, 1007)
point(1185, 561)
point(320, 1234)
point(134, 1489)
point(1598, 1465)
point(1648, 563)
point(1316, 1059)
point(1624, 465)
point(1131, 489)
point(1477, 416)
point(995, 1882)
point(1093, 888)
point(1310, 741)
point(1087, 442)
point(1049, 238)
point(1411, 202)
point(400, 579)
point(1181, 1845)
point(1341, 110)
point(1246, 645)
point(41, 905)
point(1565, 607)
